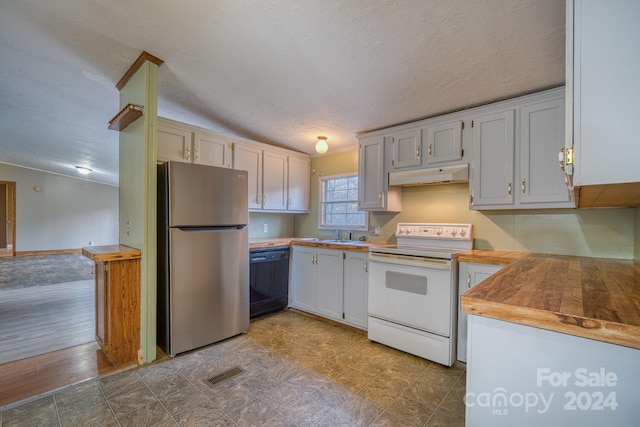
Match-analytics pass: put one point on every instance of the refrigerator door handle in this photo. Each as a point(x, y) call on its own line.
point(189, 228)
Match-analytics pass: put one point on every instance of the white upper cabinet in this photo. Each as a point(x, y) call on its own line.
point(492, 174)
point(174, 143)
point(299, 176)
point(183, 143)
point(430, 146)
point(274, 180)
point(211, 150)
point(374, 193)
point(278, 179)
point(249, 158)
point(603, 96)
point(541, 181)
point(443, 142)
point(278, 182)
point(515, 156)
point(406, 149)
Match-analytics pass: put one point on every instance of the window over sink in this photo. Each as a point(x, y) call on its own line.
point(338, 204)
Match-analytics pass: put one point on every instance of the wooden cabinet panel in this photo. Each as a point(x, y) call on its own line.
point(117, 285)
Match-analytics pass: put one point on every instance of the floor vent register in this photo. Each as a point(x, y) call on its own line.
point(224, 376)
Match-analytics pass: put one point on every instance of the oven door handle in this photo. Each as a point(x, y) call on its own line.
point(416, 261)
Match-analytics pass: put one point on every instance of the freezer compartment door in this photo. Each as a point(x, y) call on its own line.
point(206, 195)
point(209, 286)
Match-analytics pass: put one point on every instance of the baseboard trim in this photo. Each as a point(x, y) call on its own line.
point(50, 252)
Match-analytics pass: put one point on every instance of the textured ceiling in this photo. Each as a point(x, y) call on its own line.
point(281, 72)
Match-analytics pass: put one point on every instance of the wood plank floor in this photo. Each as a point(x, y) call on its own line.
point(31, 377)
point(40, 319)
point(46, 304)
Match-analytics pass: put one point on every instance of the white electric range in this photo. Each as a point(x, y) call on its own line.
point(413, 289)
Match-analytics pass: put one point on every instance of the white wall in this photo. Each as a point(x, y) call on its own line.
point(66, 213)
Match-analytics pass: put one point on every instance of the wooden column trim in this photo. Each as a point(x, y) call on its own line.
point(144, 56)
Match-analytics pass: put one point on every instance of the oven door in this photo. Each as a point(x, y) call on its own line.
point(412, 291)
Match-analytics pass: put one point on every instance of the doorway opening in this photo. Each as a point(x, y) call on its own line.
point(7, 218)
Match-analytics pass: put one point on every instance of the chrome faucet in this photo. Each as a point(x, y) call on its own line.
point(336, 233)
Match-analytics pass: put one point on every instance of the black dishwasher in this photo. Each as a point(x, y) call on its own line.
point(268, 280)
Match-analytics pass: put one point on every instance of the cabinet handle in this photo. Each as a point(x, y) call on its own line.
point(418, 152)
point(430, 153)
point(468, 280)
point(187, 153)
point(509, 188)
point(366, 266)
point(264, 200)
point(524, 181)
point(380, 197)
point(196, 152)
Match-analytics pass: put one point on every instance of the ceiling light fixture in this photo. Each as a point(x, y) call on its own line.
point(83, 170)
point(321, 145)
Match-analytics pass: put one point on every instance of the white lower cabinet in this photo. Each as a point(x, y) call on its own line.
point(356, 288)
point(303, 277)
point(469, 275)
point(331, 283)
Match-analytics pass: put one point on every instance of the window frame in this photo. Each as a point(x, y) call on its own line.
point(321, 204)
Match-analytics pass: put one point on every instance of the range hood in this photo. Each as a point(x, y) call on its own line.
point(443, 175)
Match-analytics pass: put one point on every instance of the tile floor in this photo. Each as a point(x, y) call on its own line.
point(297, 371)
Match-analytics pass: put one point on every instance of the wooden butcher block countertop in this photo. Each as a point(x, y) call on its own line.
point(594, 298)
point(111, 253)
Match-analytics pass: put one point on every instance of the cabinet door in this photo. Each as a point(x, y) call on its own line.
point(173, 144)
point(329, 283)
point(541, 138)
point(605, 91)
point(248, 158)
point(492, 175)
point(302, 287)
point(356, 288)
point(406, 149)
point(371, 174)
point(470, 274)
point(298, 182)
point(274, 181)
point(444, 142)
point(102, 306)
point(211, 150)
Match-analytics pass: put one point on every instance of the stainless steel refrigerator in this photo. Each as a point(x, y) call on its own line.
point(203, 255)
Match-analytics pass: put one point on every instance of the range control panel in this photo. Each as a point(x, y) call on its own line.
point(434, 231)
